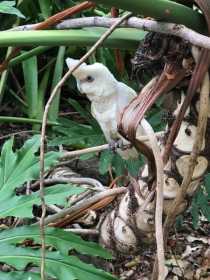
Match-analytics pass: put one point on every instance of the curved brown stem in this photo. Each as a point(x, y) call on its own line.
point(135, 111)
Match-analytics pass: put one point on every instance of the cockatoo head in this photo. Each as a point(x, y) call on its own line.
point(94, 80)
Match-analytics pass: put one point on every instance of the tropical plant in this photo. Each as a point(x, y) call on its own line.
point(33, 64)
point(18, 244)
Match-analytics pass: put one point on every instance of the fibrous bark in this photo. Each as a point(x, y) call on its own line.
point(131, 223)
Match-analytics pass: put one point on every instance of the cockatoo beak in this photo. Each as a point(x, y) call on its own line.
point(79, 72)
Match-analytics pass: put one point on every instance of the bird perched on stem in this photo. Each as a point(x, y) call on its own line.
point(108, 99)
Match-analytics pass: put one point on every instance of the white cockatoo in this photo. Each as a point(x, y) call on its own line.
point(108, 99)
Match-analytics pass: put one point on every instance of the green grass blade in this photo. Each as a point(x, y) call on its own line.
point(41, 94)
point(30, 72)
point(5, 119)
point(84, 113)
point(4, 76)
point(28, 54)
point(54, 109)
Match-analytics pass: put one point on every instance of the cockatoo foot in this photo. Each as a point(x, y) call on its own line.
point(118, 144)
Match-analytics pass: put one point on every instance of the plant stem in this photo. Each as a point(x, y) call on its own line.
point(163, 10)
point(5, 119)
point(20, 100)
point(28, 54)
point(4, 76)
point(124, 38)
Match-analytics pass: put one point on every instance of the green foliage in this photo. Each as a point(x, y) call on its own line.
point(105, 161)
point(21, 206)
point(57, 75)
point(22, 166)
point(17, 275)
point(76, 135)
point(46, 8)
point(120, 166)
point(7, 7)
point(57, 265)
point(30, 73)
point(200, 203)
point(84, 113)
point(31, 88)
point(58, 238)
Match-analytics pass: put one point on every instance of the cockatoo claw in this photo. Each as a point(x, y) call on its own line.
point(113, 145)
point(118, 144)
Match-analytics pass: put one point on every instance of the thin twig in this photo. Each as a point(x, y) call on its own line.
point(90, 182)
point(100, 148)
point(84, 204)
point(83, 231)
point(80, 197)
point(149, 25)
point(179, 30)
point(53, 208)
point(159, 197)
point(43, 131)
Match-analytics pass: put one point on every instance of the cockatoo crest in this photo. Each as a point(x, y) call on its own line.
point(95, 80)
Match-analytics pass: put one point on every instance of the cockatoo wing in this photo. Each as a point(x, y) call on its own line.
point(124, 94)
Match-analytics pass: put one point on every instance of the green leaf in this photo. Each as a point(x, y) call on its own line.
point(41, 95)
point(207, 184)
point(84, 113)
point(76, 134)
point(195, 214)
point(19, 275)
point(46, 8)
point(7, 7)
point(105, 161)
point(133, 166)
point(30, 73)
point(22, 166)
point(87, 156)
point(200, 203)
point(118, 165)
point(21, 206)
point(203, 203)
point(57, 75)
point(56, 265)
point(58, 238)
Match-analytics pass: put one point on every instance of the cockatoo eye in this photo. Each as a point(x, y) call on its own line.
point(89, 79)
